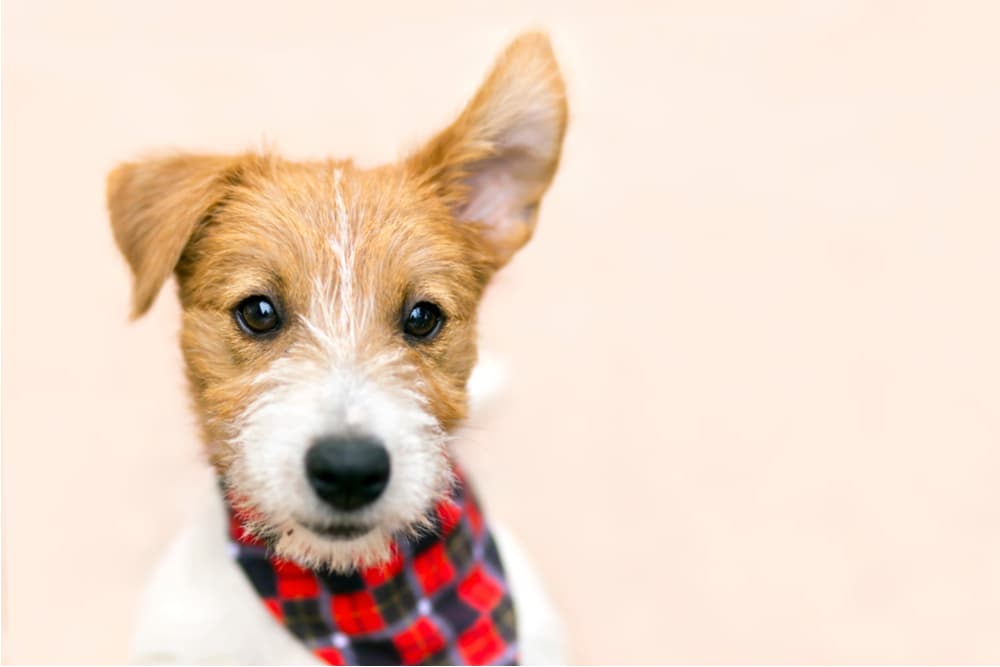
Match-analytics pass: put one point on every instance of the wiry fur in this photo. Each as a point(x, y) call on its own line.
point(344, 253)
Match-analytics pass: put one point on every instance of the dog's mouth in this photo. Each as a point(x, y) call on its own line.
point(337, 531)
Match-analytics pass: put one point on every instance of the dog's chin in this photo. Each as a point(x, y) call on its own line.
point(337, 531)
point(340, 547)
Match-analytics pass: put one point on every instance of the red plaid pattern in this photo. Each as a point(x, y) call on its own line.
point(274, 607)
point(441, 599)
point(294, 581)
point(480, 590)
point(330, 656)
point(449, 514)
point(480, 644)
point(433, 568)
point(419, 641)
point(356, 613)
point(378, 575)
point(474, 518)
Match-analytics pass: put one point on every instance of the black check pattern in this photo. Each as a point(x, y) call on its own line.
point(505, 620)
point(459, 546)
point(395, 599)
point(443, 600)
point(303, 618)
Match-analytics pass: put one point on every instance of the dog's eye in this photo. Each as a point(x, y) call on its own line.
point(423, 321)
point(257, 315)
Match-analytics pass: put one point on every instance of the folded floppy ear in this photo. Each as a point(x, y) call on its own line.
point(155, 206)
point(494, 163)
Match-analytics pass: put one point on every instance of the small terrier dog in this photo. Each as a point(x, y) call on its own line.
point(329, 333)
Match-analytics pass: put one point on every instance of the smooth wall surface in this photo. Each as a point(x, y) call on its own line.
point(752, 410)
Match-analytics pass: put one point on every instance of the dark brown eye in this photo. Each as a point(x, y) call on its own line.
point(257, 316)
point(423, 321)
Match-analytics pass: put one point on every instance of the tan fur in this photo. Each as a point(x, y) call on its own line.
point(270, 237)
point(435, 226)
point(515, 122)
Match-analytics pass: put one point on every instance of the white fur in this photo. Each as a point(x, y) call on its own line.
point(343, 244)
point(484, 383)
point(331, 390)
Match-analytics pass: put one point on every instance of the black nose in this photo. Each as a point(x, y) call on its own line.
point(347, 472)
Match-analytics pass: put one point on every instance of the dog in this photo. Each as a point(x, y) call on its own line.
point(329, 335)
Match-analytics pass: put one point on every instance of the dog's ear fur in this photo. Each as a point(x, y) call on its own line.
point(155, 206)
point(494, 163)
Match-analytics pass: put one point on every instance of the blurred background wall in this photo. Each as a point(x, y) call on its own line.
point(752, 409)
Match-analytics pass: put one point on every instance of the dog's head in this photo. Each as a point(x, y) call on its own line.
point(329, 312)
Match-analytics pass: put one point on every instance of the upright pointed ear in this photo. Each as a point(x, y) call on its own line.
point(155, 206)
point(494, 163)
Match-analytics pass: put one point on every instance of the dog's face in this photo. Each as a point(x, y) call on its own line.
point(330, 312)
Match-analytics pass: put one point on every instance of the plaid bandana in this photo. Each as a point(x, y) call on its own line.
point(442, 599)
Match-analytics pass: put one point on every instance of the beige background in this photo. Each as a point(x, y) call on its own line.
point(753, 400)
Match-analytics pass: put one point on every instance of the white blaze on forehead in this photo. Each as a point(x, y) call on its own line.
point(344, 245)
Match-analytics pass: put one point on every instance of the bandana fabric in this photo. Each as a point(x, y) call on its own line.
point(442, 599)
